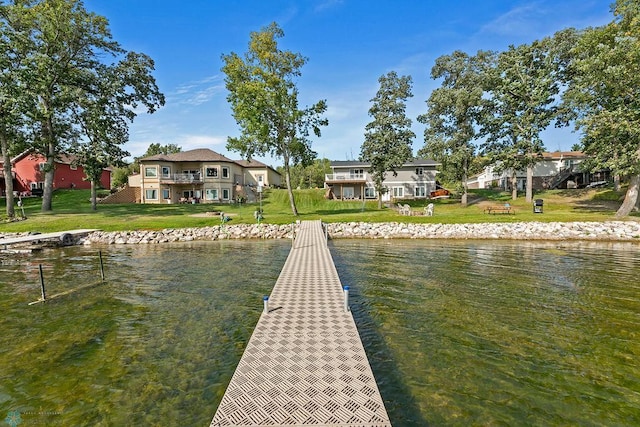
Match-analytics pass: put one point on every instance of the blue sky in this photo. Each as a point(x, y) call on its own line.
point(349, 45)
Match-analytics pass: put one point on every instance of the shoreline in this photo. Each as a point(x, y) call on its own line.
point(627, 231)
point(598, 231)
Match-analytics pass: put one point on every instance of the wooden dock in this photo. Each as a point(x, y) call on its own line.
point(304, 364)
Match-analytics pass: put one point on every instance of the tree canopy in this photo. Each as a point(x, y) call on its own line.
point(388, 137)
point(264, 100)
point(453, 114)
point(605, 92)
point(82, 102)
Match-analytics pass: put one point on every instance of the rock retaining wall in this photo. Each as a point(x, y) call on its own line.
point(610, 230)
point(613, 230)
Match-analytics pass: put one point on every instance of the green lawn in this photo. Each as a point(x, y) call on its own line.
point(72, 210)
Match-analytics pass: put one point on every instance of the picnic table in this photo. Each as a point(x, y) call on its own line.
point(503, 209)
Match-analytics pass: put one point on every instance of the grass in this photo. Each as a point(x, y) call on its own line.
point(72, 210)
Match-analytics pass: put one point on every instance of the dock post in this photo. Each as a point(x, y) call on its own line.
point(346, 298)
point(101, 266)
point(44, 295)
point(265, 301)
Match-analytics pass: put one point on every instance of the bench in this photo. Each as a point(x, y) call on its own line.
point(499, 210)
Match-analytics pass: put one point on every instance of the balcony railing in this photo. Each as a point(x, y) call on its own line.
point(182, 178)
point(346, 177)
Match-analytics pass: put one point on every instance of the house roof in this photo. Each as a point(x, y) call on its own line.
point(197, 155)
point(356, 163)
point(254, 164)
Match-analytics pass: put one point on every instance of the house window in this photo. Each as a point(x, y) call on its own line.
point(357, 173)
point(151, 172)
point(166, 171)
point(419, 171)
point(369, 192)
point(212, 172)
point(225, 193)
point(211, 193)
point(398, 191)
point(37, 185)
point(151, 194)
point(260, 178)
point(225, 172)
point(42, 166)
point(420, 191)
point(348, 193)
point(165, 193)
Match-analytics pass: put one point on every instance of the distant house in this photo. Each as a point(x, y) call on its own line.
point(352, 180)
point(28, 176)
point(560, 169)
point(201, 176)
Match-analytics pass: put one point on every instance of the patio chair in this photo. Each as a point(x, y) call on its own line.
point(428, 210)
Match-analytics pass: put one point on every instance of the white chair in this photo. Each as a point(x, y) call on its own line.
point(428, 210)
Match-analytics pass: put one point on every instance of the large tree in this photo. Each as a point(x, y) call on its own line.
point(264, 101)
point(14, 40)
point(453, 112)
point(63, 73)
point(388, 137)
point(524, 89)
point(105, 110)
point(605, 90)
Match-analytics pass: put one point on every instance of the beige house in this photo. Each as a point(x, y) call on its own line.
point(201, 176)
point(352, 180)
point(560, 169)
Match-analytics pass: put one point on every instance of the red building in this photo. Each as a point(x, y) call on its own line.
point(28, 175)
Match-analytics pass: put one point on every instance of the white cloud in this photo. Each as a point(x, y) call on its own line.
point(197, 92)
point(522, 20)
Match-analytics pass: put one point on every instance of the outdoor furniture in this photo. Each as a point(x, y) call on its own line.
point(504, 209)
point(428, 210)
point(404, 210)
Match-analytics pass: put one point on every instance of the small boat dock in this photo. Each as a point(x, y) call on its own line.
point(304, 364)
point(62, 238)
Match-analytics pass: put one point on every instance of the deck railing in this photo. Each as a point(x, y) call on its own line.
point(182, 178)
point(346, 176)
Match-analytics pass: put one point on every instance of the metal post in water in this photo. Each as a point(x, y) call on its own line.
point(265, 301)
point(326, 232)
point(44, 295)
point(346, 298)
point(101, 266)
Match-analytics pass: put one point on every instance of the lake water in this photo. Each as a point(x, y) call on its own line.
point(458, 333)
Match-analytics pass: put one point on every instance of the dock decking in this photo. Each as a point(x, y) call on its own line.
point(304, 364)
point(65, 237)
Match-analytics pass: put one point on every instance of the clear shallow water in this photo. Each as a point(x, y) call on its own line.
point(458, 333)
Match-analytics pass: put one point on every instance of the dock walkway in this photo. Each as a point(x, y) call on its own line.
point(65, 237)
point(305, 364)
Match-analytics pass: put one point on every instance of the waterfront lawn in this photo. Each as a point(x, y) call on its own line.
point(72, 210)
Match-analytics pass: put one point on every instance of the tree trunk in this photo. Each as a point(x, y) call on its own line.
point(630, 198)
point(94, 205)
point(616, 182)
point(529, 191)
point(47, 191)
point(287, 177)
point(514, 186)
point(8, 176)
point(379, 199)
point(465, 186)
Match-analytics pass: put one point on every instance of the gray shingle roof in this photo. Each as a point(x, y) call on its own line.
point(197, 155)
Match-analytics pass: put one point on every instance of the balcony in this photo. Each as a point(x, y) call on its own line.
point(345, 177)
point(182, 178)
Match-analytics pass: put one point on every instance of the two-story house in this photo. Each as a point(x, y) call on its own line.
point(201, 176)
point(352, 180)
point(27, 172)
point(560, 169)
